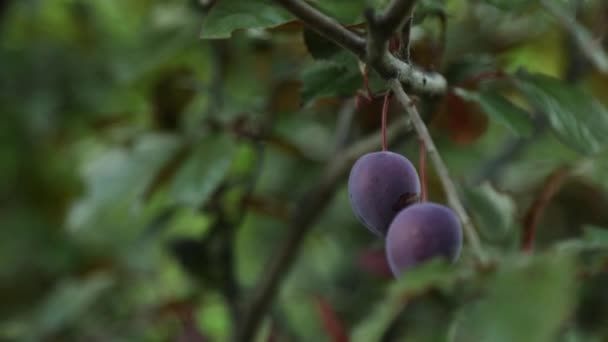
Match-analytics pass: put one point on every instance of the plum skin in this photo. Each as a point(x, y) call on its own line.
point(422, 232)
point(380, 184)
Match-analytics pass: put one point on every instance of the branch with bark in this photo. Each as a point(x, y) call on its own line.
point(374, 50)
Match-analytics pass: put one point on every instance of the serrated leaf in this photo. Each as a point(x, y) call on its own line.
point(199, 176)
point(576, 117)
point(494, 212)
point(526, 300)
point(435, 273)
point(326, 78)
point(227, 16)
point(500, 109)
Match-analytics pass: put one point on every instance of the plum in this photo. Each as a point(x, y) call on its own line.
point(380, 185)
point(422, 232)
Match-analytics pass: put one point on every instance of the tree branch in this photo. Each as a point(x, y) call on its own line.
point(380, 29)
point(373, 51)
point(308, 209)
point(393, 18)
point(442, 171)
point(325, 26)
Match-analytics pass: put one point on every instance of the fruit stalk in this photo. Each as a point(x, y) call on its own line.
point(384, 119)
point(442, 171)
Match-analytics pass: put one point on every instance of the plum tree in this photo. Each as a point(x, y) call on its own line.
point(421, 232)
point(380, 185)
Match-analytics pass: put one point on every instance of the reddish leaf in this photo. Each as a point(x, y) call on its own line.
point(463, 121)
point(426, 53)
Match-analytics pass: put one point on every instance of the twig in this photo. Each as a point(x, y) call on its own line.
point(395, 15)
point(442, 171)
point(551, 186)
point(373, 52)
point(591, 48)
point(404, 39)
point(308, 209)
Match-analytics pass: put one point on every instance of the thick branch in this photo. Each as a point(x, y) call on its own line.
point(441, 169)
point(308, 210)
point(374, 53)
point(325, 26)
point(380, 29)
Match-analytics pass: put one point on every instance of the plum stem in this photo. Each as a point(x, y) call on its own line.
point(385, 106)
point(365, 75)
point(442, 170)
point(423, 169)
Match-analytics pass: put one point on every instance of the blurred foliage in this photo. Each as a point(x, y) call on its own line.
point(148, 175)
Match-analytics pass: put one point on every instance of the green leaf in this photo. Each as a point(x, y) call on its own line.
point(118, 177)
point(327, 78)
point(432, 274)
point(500, 109)
point(528, 299)
point(67, 302)
point(576, 117)
point(510, 4)
point(345, 11)
point(596, 236)
point(593, 238)
point(493, 211)
point(318, 46)
point(227, 16)
point(591, 48)
point(200, 175)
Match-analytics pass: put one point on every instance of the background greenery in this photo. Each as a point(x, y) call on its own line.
point(148, 175)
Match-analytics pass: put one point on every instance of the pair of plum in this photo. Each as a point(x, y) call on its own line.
point(384, 191)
